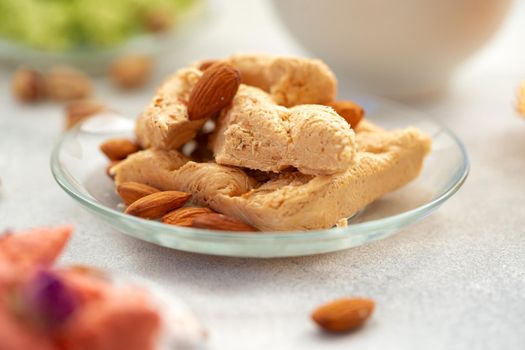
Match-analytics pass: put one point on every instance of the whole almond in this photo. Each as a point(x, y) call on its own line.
point(184, 216)
point(131, 71)
point(132, 191)
point(350, 111)
point(157, 204)
point(110, 166)
point(215, 221)
point(118, 148)
point(214, 91)
point(343, 315)
point(27, 85)
point(65, 83)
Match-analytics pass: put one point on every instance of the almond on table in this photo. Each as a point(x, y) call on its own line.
point(343, 315)
point(131, 71)
point(118, 148)
point(65, 83)
point(27, 85)
point(156, 205)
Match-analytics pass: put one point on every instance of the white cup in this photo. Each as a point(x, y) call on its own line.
point(400, 48)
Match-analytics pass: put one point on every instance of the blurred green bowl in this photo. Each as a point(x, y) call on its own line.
point(97, 60)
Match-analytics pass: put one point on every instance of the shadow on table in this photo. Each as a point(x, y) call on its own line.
point(242, 274)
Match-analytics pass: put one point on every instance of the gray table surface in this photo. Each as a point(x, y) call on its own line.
point(455, 280)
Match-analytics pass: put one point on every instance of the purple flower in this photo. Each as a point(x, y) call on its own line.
point(48, 299)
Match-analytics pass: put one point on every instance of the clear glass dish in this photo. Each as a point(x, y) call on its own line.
point(79, 168)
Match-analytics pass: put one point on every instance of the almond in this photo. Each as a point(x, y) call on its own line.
point(28, 85)
point(118, 148)
point(132, 191)
point(350, 111)
point(214, 91)
point(184, 216)
point(215, 221)
point(110, 166)
point(65, 83)
point(131, 71)
point(343, 315)
point(157, 204)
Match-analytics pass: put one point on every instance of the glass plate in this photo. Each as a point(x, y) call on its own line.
point(79, 168)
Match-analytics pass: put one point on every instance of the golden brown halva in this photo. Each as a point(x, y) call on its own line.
point(318, 169)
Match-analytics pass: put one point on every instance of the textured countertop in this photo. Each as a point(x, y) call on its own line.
point(455, 280)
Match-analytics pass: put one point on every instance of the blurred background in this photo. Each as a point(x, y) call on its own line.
point(460, 61)
point(407, 49)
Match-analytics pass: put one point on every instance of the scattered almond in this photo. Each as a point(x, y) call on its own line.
point(27, 85)
point(132, 191)
point(214, 91)
point(343, 315)
point(215, 221)
point(184, 216)
point(118, 148)
point(350, 111)
point(66, 83)
point(109, 166)
point(80, 110)
point(157, 204)
point(131, 71)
